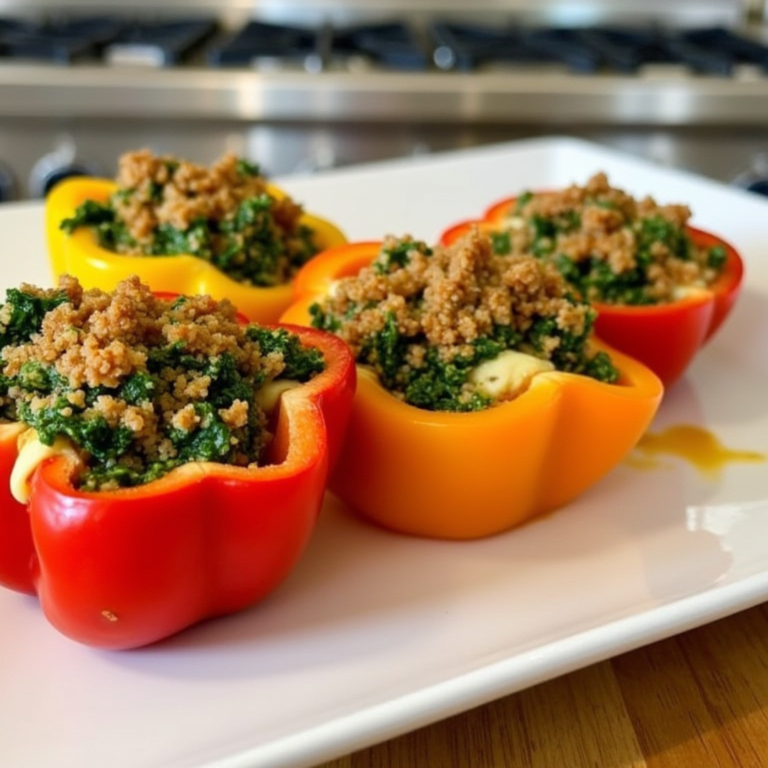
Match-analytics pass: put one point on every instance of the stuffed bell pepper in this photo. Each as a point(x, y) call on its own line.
point(483, 397)
point(661, 287)
point(185, 228)
point(162, 461)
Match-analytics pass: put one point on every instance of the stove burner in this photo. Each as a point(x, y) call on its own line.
point(273, 45)
point(713, 51)
point(466, 47)
point(159, 44)
point(261, 44)
point(61, 42)
point(392, 44)
point(64, 41)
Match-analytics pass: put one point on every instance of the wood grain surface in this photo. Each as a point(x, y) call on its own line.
point(698, 699)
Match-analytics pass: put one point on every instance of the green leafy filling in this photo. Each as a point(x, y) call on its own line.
point(113, 454)
point(439, 384)
point(247, 245)
point(593, 277)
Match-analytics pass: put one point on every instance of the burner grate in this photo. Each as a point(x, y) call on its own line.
point(159, 44)
point(114, 40)
point(259, 43)
point(393, 45)
point(390, 45)
point(713, 51)
point(59, 42)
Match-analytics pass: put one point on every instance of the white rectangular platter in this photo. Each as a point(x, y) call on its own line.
point(376, 633)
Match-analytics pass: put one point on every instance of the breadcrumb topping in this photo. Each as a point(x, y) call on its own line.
point(613, 247)
point(190, 192)
point(418, 309)
point(225, 214)
point(141, 383)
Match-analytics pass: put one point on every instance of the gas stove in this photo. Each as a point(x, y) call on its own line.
point(395, 45)
point(315, 83)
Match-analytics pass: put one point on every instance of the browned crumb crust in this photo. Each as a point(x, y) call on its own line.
point(464, 290)
point(191, 192)
point(425, 320)
point(99, 339)
point(607, 232)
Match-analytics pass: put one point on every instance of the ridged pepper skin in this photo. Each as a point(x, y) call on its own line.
point(665, 337)
point(122, 569)
point(470, 475)
point(79, 254)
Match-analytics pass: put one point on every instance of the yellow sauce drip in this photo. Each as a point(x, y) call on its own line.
point(693, 444)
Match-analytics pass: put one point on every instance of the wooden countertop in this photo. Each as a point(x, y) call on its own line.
point(698, 699)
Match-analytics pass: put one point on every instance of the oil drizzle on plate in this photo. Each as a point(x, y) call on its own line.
point(693, 444)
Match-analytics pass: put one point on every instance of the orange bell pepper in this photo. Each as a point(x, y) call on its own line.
point(469, 475)
point(80, 254)
point(665, 337)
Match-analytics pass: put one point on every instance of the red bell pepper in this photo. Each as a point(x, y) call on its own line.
point(124, 568)
point(665, 337)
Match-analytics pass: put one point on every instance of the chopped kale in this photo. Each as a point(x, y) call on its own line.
point(89, 213)
point(657, 236)
point(523, 200)
point(100, 217)
point(93, 434)
point(569, 354)
point(301, 363)
point(156, 192)
point(138, 388)
point(210, 441)
point(195, 240)
point(248, 168)
point(501, 242)
point(418, 353)
point(385, 350)
point(195, 407)
point(397, 256)
point(247, 244)
point(22, 314)
point(438, 385)
point(37, 377)
point(594, 279)
point(227, 383)
point(717, 255)
point(600, 367)
point(657, 229)
point(326, 321)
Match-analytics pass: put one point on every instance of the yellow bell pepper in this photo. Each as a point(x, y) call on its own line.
point(80, 254)
point(469, 475)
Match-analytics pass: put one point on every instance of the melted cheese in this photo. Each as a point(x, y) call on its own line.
point(686, 291)
point(269, 394)
point(514, 222)
point(507, 375)
point(32, 453)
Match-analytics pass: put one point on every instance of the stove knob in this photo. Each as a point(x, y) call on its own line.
point(759, 186)
point(756, 178)
point(46, 179)
point(57, 165)
point(7, 184)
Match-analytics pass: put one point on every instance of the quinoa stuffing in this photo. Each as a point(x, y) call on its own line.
point(426, 319)
point(611, 247)
point(224, 214)
point(138, 384)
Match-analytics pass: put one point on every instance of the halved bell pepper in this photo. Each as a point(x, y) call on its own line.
point(665, 337)
point(80, 254)
point(124, 568)
point(469, 475)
